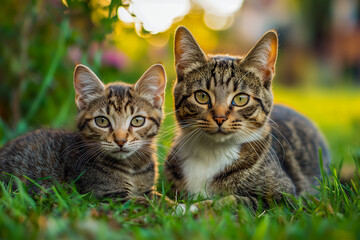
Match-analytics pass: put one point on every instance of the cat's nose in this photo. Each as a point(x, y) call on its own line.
point(220, 119)
point(120, 142)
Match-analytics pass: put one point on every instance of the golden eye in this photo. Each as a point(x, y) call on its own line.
point(102, 122)
point(241, 100)
point(137, 121)
point(202, 97)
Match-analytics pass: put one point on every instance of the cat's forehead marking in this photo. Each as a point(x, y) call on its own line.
point(124, 100)
point(119, 97)
point(119, 90)
point(228, 76)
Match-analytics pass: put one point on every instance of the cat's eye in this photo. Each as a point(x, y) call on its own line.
point(102, 122)
point(137, 121)
point(241, 100)
point(202, 97)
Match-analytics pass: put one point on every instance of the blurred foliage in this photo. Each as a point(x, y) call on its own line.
point(35, 59)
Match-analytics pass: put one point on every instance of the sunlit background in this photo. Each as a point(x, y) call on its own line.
point(318, 70)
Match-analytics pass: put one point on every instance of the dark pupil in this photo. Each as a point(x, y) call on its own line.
point(203, 96)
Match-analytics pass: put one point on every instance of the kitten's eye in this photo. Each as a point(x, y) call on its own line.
point(137, 121)
point(240, 100)
point(102, 122)
point(202, 97)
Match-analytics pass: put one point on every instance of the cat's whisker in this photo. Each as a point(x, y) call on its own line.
point(274, 137)
point(170, 112)
point(249, 142)
point(272, 121)
point(272, 152)
point(86, 157)
point(76, 147)
point(183, 142)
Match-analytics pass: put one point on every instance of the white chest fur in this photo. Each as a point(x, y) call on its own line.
point(203, 161)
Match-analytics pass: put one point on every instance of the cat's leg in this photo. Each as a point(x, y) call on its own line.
point(272, 190)
point(230, 201)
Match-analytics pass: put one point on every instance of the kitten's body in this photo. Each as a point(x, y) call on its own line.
point(249, 149)
point(65, 157)
point(113, 152)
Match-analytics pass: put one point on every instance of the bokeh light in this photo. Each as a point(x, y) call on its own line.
point(155, 16)
point(158, 15)
point(220, 8)
point(125, 16)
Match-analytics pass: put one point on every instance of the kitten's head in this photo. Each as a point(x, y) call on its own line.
point(224, 97)
point(120, 117)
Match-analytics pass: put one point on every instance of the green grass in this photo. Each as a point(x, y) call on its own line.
point(332, 214)
point(61, 212)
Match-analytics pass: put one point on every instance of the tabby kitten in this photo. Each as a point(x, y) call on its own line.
point(112, 154)
point(231, 140)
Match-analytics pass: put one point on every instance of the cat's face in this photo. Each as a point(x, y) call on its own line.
point(223, 97)
point(118, 117)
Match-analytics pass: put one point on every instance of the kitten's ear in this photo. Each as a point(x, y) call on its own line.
point(151, 85)
point(188, 54)
point(87, 86)
point(262, 57)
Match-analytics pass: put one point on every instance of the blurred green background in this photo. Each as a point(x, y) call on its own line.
point(318, 69)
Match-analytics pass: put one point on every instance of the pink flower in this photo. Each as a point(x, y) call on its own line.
point(74, 54)
point(112, 57)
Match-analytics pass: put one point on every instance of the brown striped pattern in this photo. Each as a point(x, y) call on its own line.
point(92, 157)
point(278, 148)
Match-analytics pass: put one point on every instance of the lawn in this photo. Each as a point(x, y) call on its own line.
point(62, 213)
point(333, 213)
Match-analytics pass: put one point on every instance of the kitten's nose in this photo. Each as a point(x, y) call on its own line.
point(220, 119)
point(120, 142)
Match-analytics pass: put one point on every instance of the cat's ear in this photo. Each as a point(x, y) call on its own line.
point(188, 54)
point(151, 85)
point(87, 86)
point(261, 58)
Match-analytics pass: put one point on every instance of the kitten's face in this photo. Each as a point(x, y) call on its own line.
point(121, 118)
point(222, 97)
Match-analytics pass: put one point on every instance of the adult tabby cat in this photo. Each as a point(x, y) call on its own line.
point(112, 154)
point(232, 141)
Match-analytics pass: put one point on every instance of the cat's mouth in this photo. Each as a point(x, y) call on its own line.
point(219, 132)
point(121, 151)
point(219, 135)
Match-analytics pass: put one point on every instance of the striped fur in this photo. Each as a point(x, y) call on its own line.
point(116, 161)
point(252, 152)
